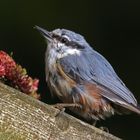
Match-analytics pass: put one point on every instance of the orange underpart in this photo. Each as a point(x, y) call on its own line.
point(94, 99)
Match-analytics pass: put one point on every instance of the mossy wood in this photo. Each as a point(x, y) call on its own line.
point(25, 118)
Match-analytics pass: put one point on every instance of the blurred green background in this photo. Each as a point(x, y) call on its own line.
point(111, 27)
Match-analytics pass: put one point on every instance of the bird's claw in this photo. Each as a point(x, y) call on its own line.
point(62, 106)
point(104, 129)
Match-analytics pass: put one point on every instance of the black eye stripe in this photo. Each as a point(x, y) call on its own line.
point(56, 36)
point(75, 45)
point(64, 40)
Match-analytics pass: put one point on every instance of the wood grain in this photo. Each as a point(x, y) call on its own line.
point(25, 118)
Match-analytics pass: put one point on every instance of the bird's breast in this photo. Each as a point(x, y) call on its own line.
point(59, 86)
point(59, 83)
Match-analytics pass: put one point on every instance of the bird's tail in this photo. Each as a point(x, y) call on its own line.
point(138, 107)
point(127, 109)
point(135, 109)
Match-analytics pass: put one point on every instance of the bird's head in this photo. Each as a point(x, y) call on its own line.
point(64, 42)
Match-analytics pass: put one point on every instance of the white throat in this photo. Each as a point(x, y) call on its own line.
point(56, 52)
point(60, 50)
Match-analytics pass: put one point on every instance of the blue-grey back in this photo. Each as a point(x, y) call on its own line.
point(93, 67)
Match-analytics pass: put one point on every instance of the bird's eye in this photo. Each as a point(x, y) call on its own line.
point(64, 40)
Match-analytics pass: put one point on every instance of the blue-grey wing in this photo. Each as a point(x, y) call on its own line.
point(93, 67)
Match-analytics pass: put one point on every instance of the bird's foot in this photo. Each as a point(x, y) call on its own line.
point(62, 106)
point(104, 129)
point(94, 123)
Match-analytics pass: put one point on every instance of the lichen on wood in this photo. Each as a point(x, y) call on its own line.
point(25, 118)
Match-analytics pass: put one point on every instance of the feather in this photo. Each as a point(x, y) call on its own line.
point(92, 67)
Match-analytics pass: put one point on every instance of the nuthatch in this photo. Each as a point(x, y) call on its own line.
point(80, 76)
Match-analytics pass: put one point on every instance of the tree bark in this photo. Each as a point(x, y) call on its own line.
point(25, 118)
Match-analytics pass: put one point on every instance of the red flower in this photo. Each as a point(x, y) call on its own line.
point(2, 70)
point(17, 75)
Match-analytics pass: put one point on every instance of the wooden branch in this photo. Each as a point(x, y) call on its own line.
point(25, 118)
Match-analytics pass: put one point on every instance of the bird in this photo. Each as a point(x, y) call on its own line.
point(83, 79)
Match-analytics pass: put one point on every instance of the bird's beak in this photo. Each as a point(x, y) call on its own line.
point(45, 33)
